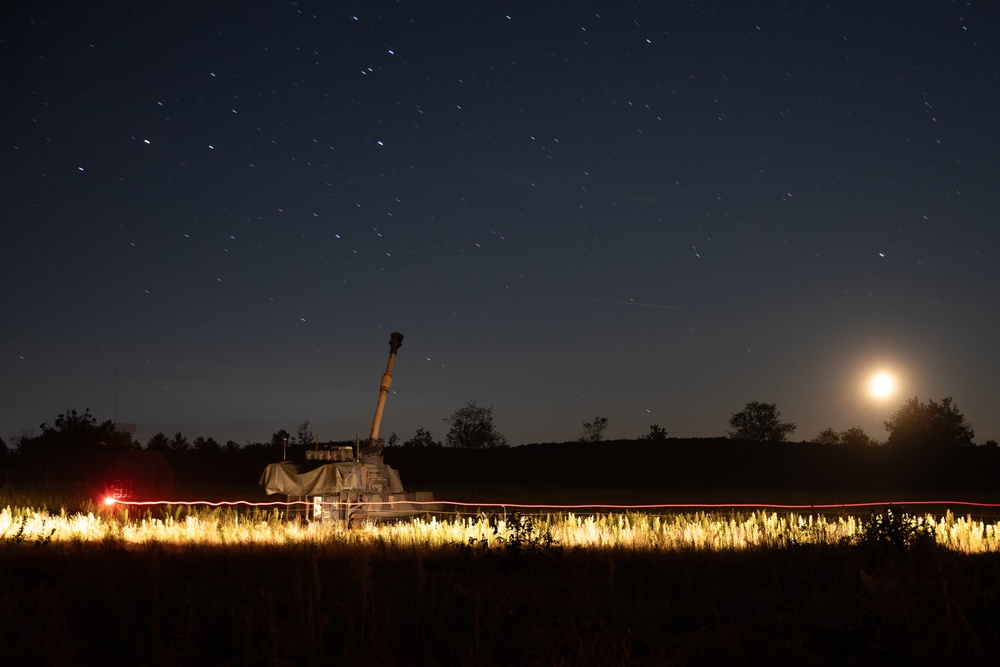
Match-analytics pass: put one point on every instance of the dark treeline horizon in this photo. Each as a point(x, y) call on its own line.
point(693, 465)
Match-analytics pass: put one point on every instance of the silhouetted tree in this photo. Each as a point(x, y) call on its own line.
point(206, 444)
point(158, 442)
point(852, 437)
point(393, 440)
point(423, 438)
point(72, 430)
point(4, 449)
point(472, 427)
point(280, 439)
point(760, 422)
point(231, 446)
point(827, 437)
point(656, 432)
point(178, 442)
point(856, 437)
point(303, 435)
point(930, 424)
point(594, 431)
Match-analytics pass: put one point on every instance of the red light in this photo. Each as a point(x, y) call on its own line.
point(109, 501)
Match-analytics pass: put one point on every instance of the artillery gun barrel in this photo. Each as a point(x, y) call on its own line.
point(394, 342)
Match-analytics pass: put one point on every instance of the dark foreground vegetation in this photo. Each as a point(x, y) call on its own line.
point(629, 471)
point(869, 604)
point(698, 465)
point(332, 604)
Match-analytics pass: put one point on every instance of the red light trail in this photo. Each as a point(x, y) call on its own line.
point(537, 507)
point(209, 503)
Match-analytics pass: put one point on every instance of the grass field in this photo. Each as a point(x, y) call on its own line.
point(734, 531)
point(182, 585)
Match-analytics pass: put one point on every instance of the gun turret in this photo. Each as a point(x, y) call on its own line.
point(394, 342)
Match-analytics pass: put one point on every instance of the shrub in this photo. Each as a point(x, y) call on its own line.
point(894, 534)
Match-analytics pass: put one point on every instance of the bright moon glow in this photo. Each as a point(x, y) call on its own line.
point(882, 385)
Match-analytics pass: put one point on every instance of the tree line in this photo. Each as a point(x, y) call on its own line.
point(915, 424)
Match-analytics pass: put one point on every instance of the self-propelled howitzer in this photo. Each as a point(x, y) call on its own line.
point(344, 483)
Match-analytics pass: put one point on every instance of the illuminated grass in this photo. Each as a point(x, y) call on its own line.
point(182, 525)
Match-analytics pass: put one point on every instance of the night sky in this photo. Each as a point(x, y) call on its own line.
point(215, 213)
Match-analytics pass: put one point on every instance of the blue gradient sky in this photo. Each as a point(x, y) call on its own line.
point(653, 212)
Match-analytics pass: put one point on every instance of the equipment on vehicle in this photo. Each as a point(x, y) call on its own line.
point(345, 483)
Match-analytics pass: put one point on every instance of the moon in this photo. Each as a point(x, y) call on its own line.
point(882, 385)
